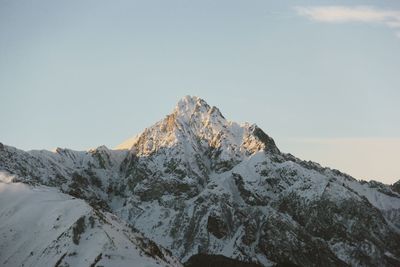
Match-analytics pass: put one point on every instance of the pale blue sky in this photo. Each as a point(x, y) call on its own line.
point(80, 74)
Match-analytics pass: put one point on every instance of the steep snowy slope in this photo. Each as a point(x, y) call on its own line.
point(199, 184)
point(42, 227)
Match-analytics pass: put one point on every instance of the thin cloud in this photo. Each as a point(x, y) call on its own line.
point(343, 14)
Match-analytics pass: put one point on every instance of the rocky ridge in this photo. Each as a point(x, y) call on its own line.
point(197, 184)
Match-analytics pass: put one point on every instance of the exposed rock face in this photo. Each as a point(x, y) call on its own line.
point(197, 183)
point(396, 187)
point(216, 226)
point(201, 260)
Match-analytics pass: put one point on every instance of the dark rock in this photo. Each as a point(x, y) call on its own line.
point(269, 143)
point(216, 226)
point(396, 187)
point(78, 229)
point(203, 260)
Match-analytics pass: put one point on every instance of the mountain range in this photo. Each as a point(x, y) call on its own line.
point(194, 189)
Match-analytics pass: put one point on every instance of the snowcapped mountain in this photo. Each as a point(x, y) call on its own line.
point(196, 184)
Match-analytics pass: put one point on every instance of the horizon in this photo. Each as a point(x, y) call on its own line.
point(297, 149)
point(320, 78)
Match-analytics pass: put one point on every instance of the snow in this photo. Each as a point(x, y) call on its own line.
point(378, 199)
point(5, 177)
point(195, 137)
point(35, 230)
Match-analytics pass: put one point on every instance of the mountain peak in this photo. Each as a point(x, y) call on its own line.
point(193, 119)
point(190, 110)
point(191, 105)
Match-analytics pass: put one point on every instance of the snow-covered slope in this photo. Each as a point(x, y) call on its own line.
point(197, 183)
point(42, 227)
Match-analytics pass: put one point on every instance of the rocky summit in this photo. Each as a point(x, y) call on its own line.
point(199, 189)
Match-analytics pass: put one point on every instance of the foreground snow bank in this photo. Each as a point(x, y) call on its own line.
point(40, 226)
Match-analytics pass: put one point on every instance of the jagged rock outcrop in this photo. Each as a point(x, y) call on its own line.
point(197, 183)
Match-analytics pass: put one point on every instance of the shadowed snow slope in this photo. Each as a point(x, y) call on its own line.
point(42, 227)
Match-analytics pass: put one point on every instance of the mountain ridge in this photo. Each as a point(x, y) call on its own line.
point(196, 184)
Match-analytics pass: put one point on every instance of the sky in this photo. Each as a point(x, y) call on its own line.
point(321, 77)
